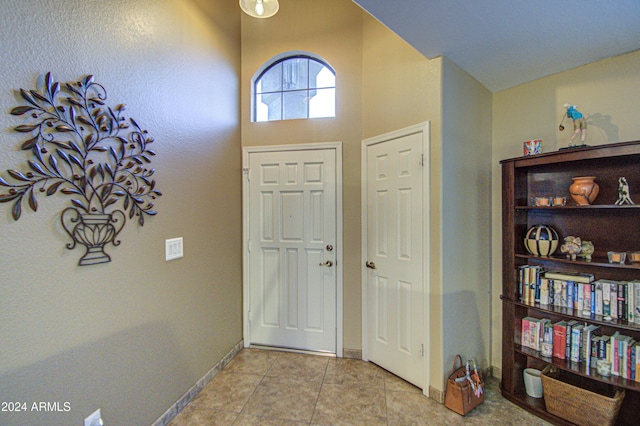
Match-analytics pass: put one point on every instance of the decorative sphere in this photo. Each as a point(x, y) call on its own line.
point(541, 240)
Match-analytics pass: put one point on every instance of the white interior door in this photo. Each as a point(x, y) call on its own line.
point(292, 249)
point(395, 286)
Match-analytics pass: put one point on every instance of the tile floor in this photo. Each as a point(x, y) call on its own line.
point(260, 387)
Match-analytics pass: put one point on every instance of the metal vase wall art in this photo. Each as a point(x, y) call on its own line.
point(79, 146)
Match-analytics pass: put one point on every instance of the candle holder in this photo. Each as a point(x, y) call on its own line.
point(617, 256)
point(542, 201)
point(634, 256)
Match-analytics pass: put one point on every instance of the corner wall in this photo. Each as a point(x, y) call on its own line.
point(466, 223)
point(606, 92)
point(130, 336)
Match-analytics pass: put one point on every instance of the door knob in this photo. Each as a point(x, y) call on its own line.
point(370, 265)
point(328, 263)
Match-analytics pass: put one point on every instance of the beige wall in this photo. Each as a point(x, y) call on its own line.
point(606, 92)
point(130, 336)
point(466, 219)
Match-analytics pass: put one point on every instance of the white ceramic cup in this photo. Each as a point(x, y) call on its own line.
point(533, 382)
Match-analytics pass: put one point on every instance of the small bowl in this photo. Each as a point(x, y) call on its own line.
point(559, 201)
point(617, 256)
point(633, 256)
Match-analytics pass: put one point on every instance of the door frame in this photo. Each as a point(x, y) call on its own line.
point(246, 279)
point(424, 129)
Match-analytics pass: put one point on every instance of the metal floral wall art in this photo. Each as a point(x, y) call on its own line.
point(80, 147)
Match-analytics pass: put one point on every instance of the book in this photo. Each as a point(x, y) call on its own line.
point(602, 346)
point(560, 339)
point(570, 326)
point(630, 302)
point(588, 332)
point(598, 304)
point(546, 346)
point(580, 297)
point(570, 276)
point(525, 336)
point(576, 340)
point(557, 293)
point(586, 309)
point(540, 332)
point(544, 291)
point(570, 296)
point(563, 295)
point(614, 299)
point(631, 362)
point(622, 312)
point(623, 356)
point(636, 348)
point(615, 362)
point(606, 298)
point(636, 302)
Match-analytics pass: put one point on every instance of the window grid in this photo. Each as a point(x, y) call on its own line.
point(289, 85)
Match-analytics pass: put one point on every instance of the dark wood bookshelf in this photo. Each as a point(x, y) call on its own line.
point(610, 227)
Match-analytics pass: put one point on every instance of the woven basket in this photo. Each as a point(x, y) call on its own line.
point(578, 405)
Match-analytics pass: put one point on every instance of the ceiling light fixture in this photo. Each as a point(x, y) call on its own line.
point(260, 8)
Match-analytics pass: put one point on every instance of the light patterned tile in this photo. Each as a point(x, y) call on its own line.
point(227, 391)
point(310, 368)
point(194, 416)
point(394, 383)
point(252, 361)
point(416, 409)
point(349, 371)
point(247, 420)
point(350, 405)
point(284, 398)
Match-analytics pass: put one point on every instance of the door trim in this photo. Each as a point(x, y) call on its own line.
point(246, 152)
point(424, 129)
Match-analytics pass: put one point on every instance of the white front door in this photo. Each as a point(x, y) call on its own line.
point(395, 246)
point(292, 249)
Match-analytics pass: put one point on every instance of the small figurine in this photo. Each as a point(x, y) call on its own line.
point(579, 123)
point(623, 192)
point(571, 247)
point(586, 250)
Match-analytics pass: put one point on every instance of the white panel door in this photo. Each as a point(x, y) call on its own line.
point(395, 285)
point(292, 247)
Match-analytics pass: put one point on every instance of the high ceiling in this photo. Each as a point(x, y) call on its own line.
point(506, 43)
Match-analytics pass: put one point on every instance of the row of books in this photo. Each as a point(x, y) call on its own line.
point(583, 343)
point(581, 292)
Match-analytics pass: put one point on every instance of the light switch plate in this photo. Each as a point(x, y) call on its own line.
point(173, 248)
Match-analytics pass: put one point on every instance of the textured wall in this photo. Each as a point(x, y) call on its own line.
point(466, 224)
point(130, 336)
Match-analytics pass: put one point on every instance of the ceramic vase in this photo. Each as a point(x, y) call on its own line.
point(584, 190)
point(541, 240)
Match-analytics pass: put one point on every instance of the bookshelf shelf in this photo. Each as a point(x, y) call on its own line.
point(575, 208)
point(596, 262)
point(608, 226)
point(573, 314)
point(579, 369)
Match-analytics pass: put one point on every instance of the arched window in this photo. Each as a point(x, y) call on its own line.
point(294, 86)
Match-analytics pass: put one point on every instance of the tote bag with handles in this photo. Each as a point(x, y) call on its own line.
point(465, 388)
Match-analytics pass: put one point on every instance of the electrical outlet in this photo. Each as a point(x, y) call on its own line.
point(173, 248)
point(95, 419)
